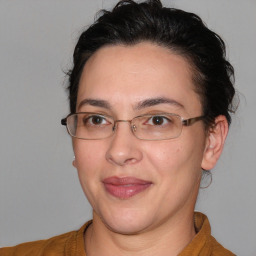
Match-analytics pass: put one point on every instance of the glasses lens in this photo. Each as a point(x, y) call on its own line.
point(157, 127)
point(90, 126)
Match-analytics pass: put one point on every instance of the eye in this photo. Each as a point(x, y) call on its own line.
point(96, 120)
point(158, 120)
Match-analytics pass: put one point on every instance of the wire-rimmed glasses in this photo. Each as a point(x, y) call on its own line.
point(96, 126)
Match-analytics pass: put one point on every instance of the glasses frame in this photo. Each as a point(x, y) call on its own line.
point(184, 122)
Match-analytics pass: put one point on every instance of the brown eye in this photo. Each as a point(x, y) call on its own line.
point(157, 120)
point(95, 120)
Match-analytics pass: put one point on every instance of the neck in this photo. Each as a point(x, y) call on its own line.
point(168, 238)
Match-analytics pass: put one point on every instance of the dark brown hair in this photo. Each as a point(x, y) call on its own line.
point(183, 33)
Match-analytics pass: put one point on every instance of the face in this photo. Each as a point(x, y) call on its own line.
point(136, 185)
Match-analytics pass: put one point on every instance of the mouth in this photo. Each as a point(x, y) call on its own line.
point(125, 187)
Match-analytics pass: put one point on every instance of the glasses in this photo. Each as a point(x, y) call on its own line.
point(95, 126)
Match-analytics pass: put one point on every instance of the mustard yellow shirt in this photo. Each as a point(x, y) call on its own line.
point(72, 243)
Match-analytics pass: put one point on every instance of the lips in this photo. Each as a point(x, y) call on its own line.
point(125, 187)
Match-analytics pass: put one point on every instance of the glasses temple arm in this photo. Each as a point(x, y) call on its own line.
point(190, 121)
point(64, 121)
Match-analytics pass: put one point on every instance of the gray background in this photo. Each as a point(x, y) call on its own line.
point(40, 195)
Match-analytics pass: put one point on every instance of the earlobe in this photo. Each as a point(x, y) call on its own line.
point(74, 162)
point(215, 143)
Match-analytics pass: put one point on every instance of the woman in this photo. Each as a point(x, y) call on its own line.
point(150, 100)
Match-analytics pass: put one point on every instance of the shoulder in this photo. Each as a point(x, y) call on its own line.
point(217, 249)
point(65, 244)
point(52, 246)
point(204, 244)
point(211, 245)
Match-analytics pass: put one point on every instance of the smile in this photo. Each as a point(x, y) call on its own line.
point(126, 187)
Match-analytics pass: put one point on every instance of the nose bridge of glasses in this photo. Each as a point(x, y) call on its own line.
point(133, 127)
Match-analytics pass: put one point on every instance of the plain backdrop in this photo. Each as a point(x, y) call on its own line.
point(40, 195)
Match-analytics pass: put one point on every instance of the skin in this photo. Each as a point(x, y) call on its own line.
point(159, 220)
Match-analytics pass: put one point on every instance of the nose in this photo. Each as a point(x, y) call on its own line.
point(124, 147)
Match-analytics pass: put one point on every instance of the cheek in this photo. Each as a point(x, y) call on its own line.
point(165, 155)
point(89, 164)
point(87, 153)
point(89, 160)
point(176, 158)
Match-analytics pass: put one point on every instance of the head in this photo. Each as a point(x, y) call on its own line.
point(129, 56)
point(183, 33)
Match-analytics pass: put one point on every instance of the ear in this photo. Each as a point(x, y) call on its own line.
point(215, 143)
point(74, 162)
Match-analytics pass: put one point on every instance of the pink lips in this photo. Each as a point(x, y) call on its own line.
point(125, 187)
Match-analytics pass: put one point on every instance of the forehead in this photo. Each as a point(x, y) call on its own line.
point(129, 74)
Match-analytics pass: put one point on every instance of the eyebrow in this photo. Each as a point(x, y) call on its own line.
point(140, 105)
point(156, 101)
point(95, 102)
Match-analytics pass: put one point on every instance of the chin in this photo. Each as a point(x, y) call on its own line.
point(125, 227)
point(126, 221)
